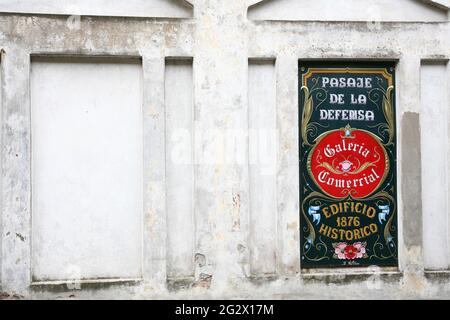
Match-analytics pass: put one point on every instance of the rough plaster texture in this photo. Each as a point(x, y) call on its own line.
point(220, 39)
point(349, 10)
point(132, 8)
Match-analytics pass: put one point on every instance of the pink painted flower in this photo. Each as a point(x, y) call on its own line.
point(339, 250)
point(361, 250)
point(344, 251)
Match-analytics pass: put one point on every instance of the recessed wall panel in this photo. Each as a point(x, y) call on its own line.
point(86, 118)
point(179, 168)
point(434, 141)
point(262, 173)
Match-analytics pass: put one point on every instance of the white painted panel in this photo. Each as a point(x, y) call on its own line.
point(86, 169)
point(135, 8)
point(179, 168)
point(434, 101)
point(346, 10)
point(262, 157)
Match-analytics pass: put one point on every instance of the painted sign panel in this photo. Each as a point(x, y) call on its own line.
point(348, 190)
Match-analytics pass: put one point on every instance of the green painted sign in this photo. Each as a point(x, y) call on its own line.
point(348, 193)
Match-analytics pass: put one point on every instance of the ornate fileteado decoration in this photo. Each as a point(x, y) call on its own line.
point(347, 165)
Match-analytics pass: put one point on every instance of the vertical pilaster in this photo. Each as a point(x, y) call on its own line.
point(288, 166)
point(1, 161)
point(221, 142)
point(16, 167)
point(409, 156)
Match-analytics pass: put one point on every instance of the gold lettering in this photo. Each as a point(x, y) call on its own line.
point(349, 235)
point(334, 209)
point(357, 235)
point(371, 212)
point(323, 229)
point(373, 227)
point(334, 234)
point(326, 212)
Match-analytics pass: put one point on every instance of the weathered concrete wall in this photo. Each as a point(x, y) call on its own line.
point(225, 181)
point(349, 10)
point(86, 175)
point(131, 8)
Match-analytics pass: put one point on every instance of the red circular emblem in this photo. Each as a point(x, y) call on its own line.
point(348, 162)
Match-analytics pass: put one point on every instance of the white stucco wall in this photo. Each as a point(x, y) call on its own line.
point(86, 170)
point(434, 132)
point(262, 147)
point(179, 118)
point(346, 10)
point(216, 96)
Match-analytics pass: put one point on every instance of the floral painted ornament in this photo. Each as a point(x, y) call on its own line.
point(344, 251)
point(346, 165)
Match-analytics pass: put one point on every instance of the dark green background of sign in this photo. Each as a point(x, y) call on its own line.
point(381, 247)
